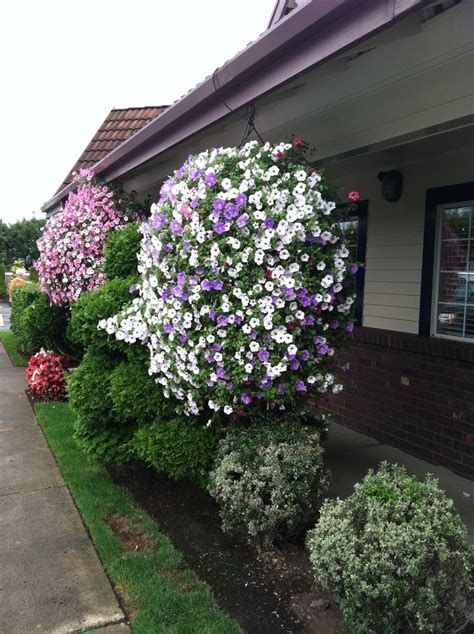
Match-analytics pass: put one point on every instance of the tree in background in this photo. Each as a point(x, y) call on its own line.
point(18, 240)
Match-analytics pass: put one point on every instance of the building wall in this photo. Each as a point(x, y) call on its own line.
point(395, 230)
point(413, 392)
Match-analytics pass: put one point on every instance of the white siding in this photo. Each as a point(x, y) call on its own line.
point(395, 230)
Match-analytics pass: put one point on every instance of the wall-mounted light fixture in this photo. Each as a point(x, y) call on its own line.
point(392, 185)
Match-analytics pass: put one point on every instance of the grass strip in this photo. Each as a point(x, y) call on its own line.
point(9, 341)
point(160, 593)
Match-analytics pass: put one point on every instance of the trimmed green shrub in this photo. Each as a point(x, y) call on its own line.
point(99, 430)
point(44, 326)
point(121, 252)
point(22, 297)
point(134, 393)
point(37, 324)
point(95, 305)
point(3, 285)
point(182, 447)
point(394, 555)
point(269, 480)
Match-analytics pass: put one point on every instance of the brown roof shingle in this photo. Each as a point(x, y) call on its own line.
point(119, 125)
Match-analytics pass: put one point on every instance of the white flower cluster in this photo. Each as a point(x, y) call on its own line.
point(244, 296)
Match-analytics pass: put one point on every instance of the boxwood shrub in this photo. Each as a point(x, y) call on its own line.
point(181, 447)
point(99, 429)
point(394, 555)
point(269, 479)
point(95, 305)
point(121, 252)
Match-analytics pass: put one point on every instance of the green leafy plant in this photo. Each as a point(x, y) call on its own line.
point(93, 306)
point(180, 447)
point(22, 297)
point(121, 252)
point(45, 325)
point(269, 480)
point(394, 555)
point(99, 429)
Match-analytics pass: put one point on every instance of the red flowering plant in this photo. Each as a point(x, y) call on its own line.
point(45, 376)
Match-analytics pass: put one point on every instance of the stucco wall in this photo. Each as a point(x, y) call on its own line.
point(395, 230)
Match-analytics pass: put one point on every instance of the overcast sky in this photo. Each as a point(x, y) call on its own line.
point(64, 65)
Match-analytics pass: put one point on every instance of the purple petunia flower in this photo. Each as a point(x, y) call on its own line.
point(269, 223)
point(220, 227)
point(230, 211)
point(217, 285)
point(263, 355)
point(168, 328)
point(349, 327)
point(353, 268)
point(176, 227)
point(218, 204)
point(220, 372)
point(210, 179)
point(168, 248)
point(245, 398)
point(322, 349)
point(242, 220)
point(217, 347)
point(229, 386)
point(300, 386)
point(334, 324)
point(181, 277)
point(132, 288)
point(194, 203)
point(241, 199)
point(281, 388)
point(222, 321)
point(294, 365)
point(206, 285)
point(186, 244)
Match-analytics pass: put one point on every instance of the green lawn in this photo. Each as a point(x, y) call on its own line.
point(161, 595)
point(9, 341)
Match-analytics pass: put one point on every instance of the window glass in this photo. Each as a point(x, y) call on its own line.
point(455, 272)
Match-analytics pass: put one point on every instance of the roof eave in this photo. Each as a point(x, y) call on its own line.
point(251, 74)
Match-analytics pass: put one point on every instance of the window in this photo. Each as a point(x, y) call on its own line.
point(453, 306)
point(355, 230)
point(447, 281)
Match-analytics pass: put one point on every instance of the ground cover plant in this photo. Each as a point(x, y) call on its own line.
point(394, 555)
point(160, 594)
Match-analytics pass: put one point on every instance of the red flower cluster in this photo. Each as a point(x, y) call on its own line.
point(45, 376)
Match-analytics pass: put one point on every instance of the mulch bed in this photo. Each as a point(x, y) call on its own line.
point(264, 593)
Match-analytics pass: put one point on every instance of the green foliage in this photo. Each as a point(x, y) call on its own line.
point(33, 274)
point(16, 265)
point(22, 297)
point(163, 596)
point(45, 326)
point(99, 429)
point(18, 240)
point(134, 393)
point(182, 447)
point(121, 252)
point(394, 555)
point(3, 285)
point(36, 323)
point(269, 480)
point(91, 307)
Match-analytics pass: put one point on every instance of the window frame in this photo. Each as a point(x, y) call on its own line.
point(437, 198)
point(361, 211)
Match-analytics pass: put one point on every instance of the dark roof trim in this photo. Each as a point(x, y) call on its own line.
point(310, 35)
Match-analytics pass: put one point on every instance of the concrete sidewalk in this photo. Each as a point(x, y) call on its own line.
point(51, 579)
point(349, 455)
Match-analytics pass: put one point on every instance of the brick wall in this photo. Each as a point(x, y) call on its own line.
point(415, 393)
